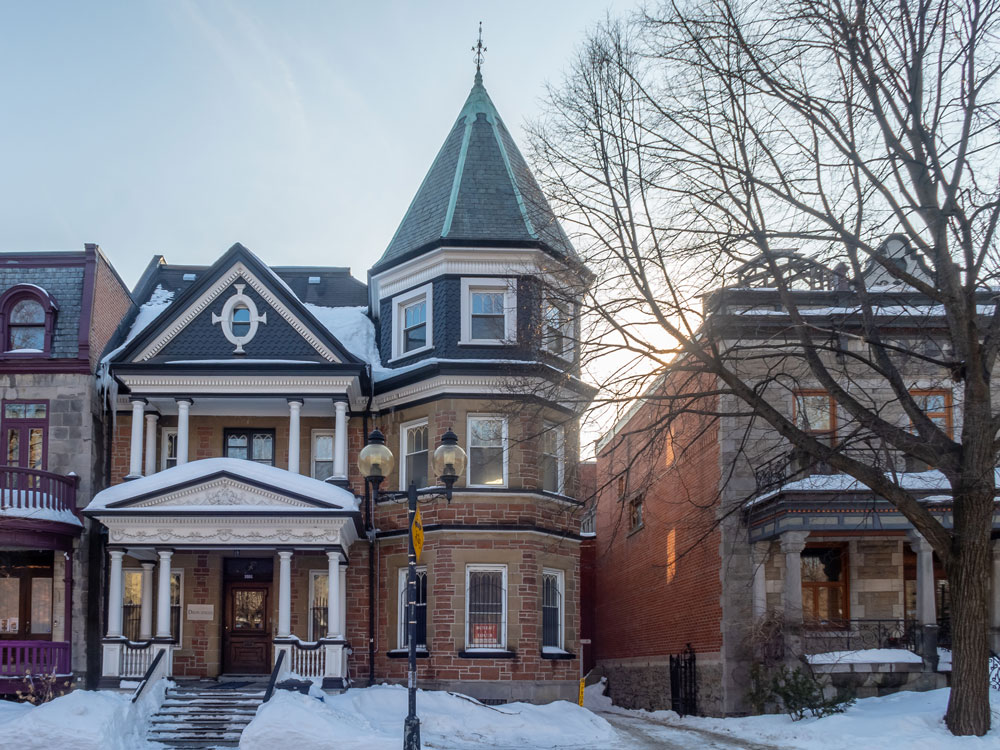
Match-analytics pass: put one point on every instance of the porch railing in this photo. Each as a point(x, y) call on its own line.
point(857, 635)
point(34, 489)
point(788, 467)
point(19, 658)
point(308, 659)
point(135, 659)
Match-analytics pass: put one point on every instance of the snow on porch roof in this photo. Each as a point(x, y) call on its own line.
point(323, 494)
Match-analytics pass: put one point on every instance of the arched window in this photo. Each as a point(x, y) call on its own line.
point(27, 314)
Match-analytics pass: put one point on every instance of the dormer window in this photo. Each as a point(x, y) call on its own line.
point(413, 329)
point(489, 311)
point(27, 315)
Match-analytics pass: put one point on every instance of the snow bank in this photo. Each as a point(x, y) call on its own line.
point(372, 719)
point(82, 720)
point(866, 656)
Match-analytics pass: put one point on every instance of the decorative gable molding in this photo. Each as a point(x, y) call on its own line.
point(225, 493)
point(238, 271)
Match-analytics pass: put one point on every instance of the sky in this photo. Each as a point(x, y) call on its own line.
point(301, 129)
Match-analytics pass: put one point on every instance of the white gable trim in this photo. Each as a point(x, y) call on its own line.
point(226, 532)
point(237, 271)
point(224, 495)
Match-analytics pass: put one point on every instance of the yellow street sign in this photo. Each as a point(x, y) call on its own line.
point(582, 682)
point(418, 534)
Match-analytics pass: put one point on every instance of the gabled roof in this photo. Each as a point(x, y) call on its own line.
point(478, 190)
point(179, 297)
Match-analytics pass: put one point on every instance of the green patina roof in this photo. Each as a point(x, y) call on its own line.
point(478, 190)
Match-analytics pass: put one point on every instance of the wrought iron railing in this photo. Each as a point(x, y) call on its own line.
point(786, 468)
point(148, 674)
point(274, 675)
point(856, 635)
point(34, 489)
point(20, 658)
point(994, 671)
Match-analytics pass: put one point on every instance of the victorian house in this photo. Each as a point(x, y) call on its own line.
point(238, 524)
point(57, 312)
point(717, 539)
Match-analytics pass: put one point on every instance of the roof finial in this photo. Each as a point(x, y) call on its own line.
point(479, 49)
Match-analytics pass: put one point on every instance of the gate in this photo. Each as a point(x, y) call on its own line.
point(683, 682)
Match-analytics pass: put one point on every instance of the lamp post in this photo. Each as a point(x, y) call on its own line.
point(376, 462)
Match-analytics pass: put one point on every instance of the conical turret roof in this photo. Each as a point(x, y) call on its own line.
point(479, 190)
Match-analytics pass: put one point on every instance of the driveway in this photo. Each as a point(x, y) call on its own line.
point(649, 734)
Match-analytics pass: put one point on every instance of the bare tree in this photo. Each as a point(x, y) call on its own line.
point(697, 144)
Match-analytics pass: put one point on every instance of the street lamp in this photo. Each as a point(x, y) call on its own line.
point(376, 462)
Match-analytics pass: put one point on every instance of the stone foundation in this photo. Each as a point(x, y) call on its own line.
point(645, 684)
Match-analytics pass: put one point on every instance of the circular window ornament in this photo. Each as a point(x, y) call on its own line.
point(239, 319)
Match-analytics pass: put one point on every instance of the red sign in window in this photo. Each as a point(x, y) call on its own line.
point(486, 633)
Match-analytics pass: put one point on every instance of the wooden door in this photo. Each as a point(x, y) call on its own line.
point(246, 647)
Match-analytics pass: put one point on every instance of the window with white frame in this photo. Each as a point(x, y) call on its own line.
point(168, 448)
point(132, 603)
point(552, 608)
point(177, 605)
point(421, 609)
point(557, 328)
point(412, 322)
point(321, 461)
point(553, 452)
point(487, 451)
point(486, 606)
point(489, 311)
point(413, 447)
point(319, 597)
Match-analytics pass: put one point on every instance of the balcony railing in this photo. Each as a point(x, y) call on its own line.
point(37, 490)
point(821, 637)
point(787, 468)
point(21, 658)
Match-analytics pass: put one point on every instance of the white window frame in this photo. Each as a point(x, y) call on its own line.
point(506, 447)
point(401, 608)
point(403, 428)
point(488, 284)
point(313, 575)
point(399, 303)
point(484, 568)
point(561, 585)
point(164, 432)
point(179, 572)
point(312, 448)
point(568, 331)
point(560, 437)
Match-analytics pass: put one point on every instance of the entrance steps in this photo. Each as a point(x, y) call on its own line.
point(205, 714)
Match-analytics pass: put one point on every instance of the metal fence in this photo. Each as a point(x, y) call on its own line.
point(684, 682)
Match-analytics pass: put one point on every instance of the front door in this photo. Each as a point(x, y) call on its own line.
point(246, 645)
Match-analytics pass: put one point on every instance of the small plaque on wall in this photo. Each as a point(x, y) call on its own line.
point(201, 611)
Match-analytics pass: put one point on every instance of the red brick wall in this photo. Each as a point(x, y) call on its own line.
point(658, 588)
point(111, 303)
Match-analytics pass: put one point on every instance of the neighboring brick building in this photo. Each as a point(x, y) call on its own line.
point(244, 394)
point(715, 533)
point(57, 312)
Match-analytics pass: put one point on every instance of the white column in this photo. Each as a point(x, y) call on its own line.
point(284, 593)
point(135, 453)
point(183, 407)
point(926, 606)
point(343, 601)
point(115, 594)
point(792, 544)
point(758, 558)
point(163, 595)
point(146, 610)
point(294, 413)
point(340, 441)
point(333, 595)
point(151, 443)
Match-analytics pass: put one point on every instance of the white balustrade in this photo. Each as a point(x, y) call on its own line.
point(308, 662)
point(135, 659)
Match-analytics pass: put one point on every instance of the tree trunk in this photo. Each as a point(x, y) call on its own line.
point(969, 581)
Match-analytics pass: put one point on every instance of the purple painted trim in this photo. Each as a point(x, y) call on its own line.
point(7, 480)
point(43, 259)
point(24, 365)
point(11, 297)
point(38, 657)
point(30, 534)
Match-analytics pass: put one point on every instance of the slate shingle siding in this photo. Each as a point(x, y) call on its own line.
point(65, 286)
point(201, 339)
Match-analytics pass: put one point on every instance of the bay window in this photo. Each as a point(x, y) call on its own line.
point(486, 607)
point(413, 439)
point(489, 312)
point(487, 451)
point(412, 322)
point(421, 609)
point(553, 455)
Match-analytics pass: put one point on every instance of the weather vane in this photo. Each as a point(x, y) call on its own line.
point(479, 49)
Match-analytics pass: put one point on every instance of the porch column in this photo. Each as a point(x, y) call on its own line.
point(163, 596)
point(146, 608)
point(758, 558)
point(995, 604)
point(333, 594)
point(340, 441)
point(926, 606)
point(792, 544)
point(135, 450)
point(151, 443)
point(294, 412)
point(183, 407)
point(284, 593)
point(115, 593)
point(343, 601)
point(68, 598)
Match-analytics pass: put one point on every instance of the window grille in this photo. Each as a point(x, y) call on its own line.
point(486, 609)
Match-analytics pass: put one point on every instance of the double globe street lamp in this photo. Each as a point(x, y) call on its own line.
point(375, 463)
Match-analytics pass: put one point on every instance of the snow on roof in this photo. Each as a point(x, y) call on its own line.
point(352, 327)
point(150, 310)
point(336, 498)
point(34, 514)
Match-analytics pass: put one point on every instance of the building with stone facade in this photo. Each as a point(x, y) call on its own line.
point(238, 526)
point(57, 312)
point(717, 537)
